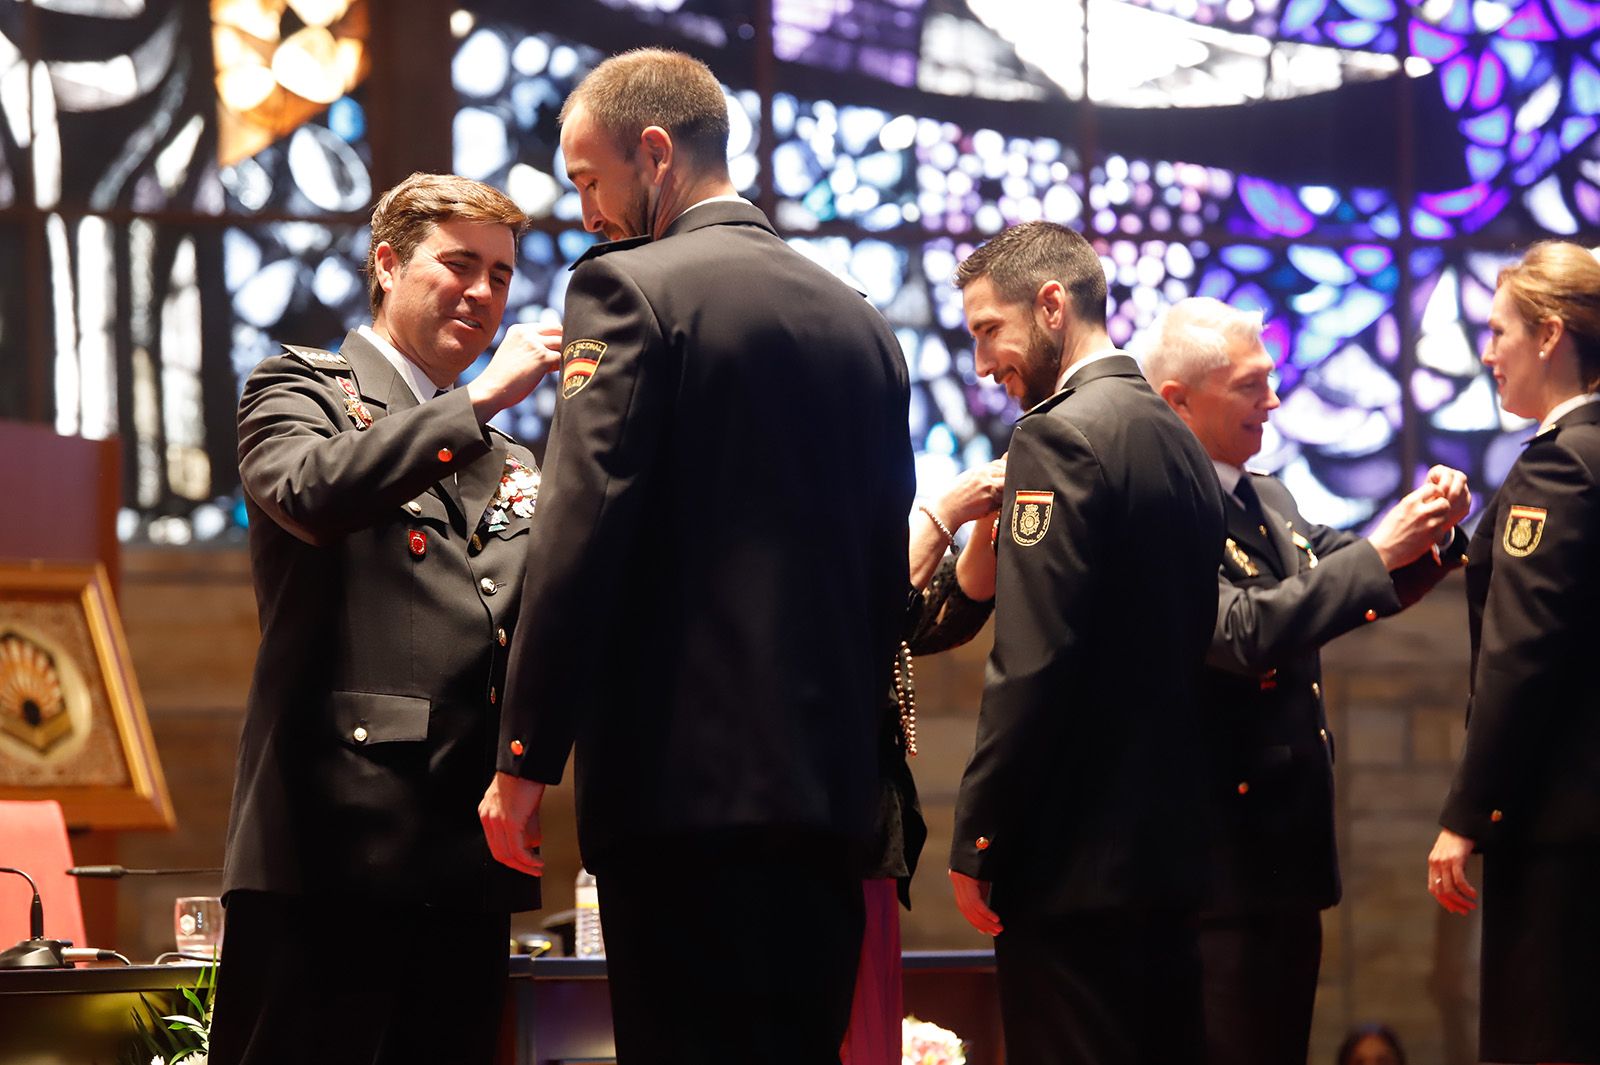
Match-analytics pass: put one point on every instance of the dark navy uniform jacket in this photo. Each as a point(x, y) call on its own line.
point(1530, 774)
point(1082, 790)
point(387, 592)
point(1286, 586)
point(721, 546)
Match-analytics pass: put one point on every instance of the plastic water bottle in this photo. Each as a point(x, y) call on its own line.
point(590, 942)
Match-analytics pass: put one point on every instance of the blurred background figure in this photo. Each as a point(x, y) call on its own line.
point(1371, 1044)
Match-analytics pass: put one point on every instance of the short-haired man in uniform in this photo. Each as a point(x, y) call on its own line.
point(1078, 803)
point(1286, 586)
point(721, 576)
point(366, 919)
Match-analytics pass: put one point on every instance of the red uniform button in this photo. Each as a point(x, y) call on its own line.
point(1244, 787)
point(982, 843)
point(418, 542)
point(516, 748)
point(1496, 816)
point(445, 454)
point(1372, 615)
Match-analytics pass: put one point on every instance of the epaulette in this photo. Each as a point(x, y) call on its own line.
point(597, 250)
point(318, 359)
point(1256, 473)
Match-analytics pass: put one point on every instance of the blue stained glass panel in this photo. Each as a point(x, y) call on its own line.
point(1491, 83)
point(1432, 44)
point(1491, 129)
point(1575, 17)
point(1583, 87)
point(1530, 24)
point(1455, 81)
point(1275, 208)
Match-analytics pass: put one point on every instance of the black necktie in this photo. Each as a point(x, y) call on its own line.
point(1245, 493)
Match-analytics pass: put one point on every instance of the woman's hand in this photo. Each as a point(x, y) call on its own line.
point(973, 495)
point(1447, 873)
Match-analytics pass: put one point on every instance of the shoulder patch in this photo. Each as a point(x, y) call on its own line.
point(1030, 516)
point(596, 250)
point(1524, 530)
point(318, 359)
point(579, 362)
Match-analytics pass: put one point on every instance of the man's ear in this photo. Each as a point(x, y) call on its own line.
point(385, 265)
point(1051, 302)
point(656, 151)
point(1176, 393)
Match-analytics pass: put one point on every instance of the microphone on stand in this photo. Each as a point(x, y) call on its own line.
point(117, 872)
point(35, 952)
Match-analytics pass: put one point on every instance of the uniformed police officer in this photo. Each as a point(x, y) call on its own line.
point(1286, 586)
point(1526, 791)
point(716, 646)
point(366, 921)
point(1078, 802)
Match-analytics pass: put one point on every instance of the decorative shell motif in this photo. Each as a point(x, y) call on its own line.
point(33, 707)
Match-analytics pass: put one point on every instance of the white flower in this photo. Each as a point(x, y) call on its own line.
point(925, 1043)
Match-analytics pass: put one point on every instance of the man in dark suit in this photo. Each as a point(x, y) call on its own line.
point(366, 920)
point(1078, 803)
point(1286, 586)
point(717, 654)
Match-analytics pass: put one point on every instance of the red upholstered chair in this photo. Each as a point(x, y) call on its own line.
point(33, 838)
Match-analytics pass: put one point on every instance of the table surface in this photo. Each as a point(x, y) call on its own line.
point(86, 979)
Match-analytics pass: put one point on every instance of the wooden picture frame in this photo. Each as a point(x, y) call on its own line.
point(72, 724)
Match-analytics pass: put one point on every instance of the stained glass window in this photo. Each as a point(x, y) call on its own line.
point(891, 189)
point(189, 182)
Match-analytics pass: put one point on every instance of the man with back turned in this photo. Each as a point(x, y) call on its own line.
point(722, 544)
point(1077, 807)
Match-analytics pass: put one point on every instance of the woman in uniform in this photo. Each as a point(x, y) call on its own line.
point(1527, 792)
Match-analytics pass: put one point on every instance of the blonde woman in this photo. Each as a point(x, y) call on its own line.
point(1527, 792)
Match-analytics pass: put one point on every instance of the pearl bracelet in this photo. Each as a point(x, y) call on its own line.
point(938, 524)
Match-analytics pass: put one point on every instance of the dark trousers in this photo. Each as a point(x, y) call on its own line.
point(739, 960)
point(1260, 982)
point(1103, 987)
point(352, 982)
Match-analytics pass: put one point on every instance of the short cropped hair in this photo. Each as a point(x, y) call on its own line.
point(1021, 260)
point(407, 214)
point(1192, 337)
point(633, 91)
point(1559, 279)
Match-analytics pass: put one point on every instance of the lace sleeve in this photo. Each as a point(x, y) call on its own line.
point(946, 617)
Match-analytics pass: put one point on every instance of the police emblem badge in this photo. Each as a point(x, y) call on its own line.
point(1524, 528)
point(1030, 516)
point(579, 361)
